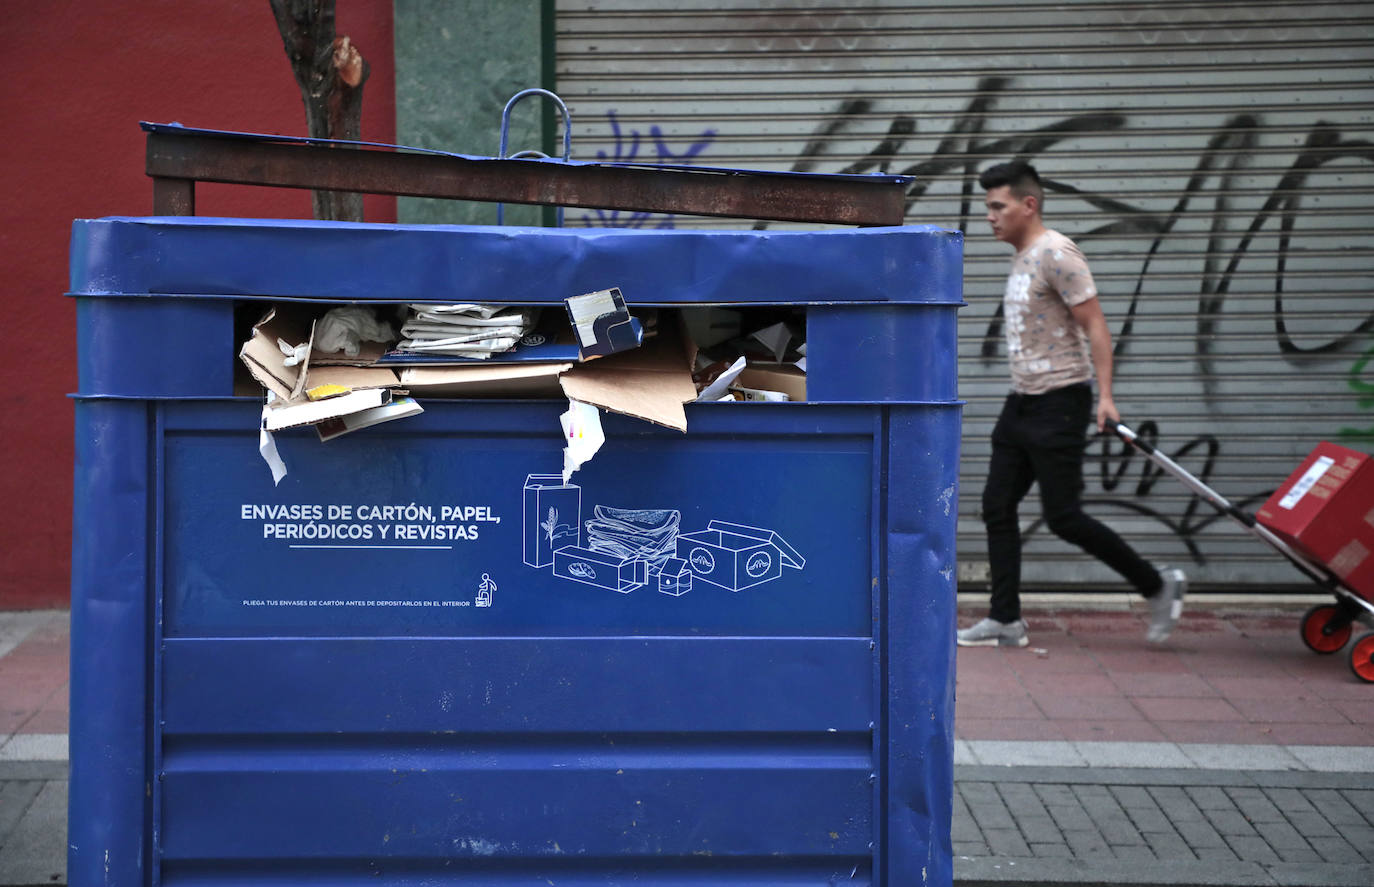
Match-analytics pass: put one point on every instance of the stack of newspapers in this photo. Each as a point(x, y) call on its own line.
point(469, 331)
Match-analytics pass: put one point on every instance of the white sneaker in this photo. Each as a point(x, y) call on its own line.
point(991, 633)
point(1167, 605)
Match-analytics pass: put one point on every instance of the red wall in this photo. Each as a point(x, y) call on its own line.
point(78, 76)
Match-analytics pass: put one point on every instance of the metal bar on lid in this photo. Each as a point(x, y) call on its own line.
point(174, 159)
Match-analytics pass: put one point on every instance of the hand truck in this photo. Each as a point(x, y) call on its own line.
point(1325, 628)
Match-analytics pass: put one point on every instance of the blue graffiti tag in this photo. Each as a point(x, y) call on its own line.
point(626, 150)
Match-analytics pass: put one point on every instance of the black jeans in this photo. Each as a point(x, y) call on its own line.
point(1041, 438)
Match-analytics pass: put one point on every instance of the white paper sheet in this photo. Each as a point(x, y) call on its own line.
point(267, 447)
point(718, 390)
point(582, 436)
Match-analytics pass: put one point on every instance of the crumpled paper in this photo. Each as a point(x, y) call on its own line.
point(267, 445)
point(582, 436)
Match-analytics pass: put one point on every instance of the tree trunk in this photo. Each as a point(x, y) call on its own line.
point(330, 72)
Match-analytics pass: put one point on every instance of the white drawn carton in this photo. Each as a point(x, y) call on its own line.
point(600, 569)
point(675, 578)
point(735, 556)
point(552, 517)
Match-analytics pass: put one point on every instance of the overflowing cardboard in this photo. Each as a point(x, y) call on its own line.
point(399, 408)
point(785, 379)
point(350, 377)
point(502, 380)
point(264, 358)
point(651, 382)
point(309, 412)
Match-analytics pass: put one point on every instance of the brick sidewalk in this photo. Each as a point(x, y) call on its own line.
point(1237, 675)
point(1086, 826)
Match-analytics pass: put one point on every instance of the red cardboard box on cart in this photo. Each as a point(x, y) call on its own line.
point(1325, 509)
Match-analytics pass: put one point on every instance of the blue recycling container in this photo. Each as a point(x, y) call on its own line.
point(402, 666)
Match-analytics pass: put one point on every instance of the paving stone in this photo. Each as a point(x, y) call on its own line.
point(963, 828)
point(1208, 797)
point(1168, 845)
point(962, 825)
point(1150, 820)
point(1003, 842)
point(1108, 816)
point(1334, 806)
point(36, 849)
point(1132, 796)
point(1029, 814)
point(1281, 836)
point(1119, 831)
point(1133, 851)
point(978, 791)
point(1088, 845)
point(1252, 848)
point(15, 798)
point(1254, 805)
point(1175, 804)
point(1111, 826)
point(1310, 825)
point(1020, 798)
point(1361, 836)
point(1334, 848)
point(1290, 800)
point(1294, 854)
point(970, 848)
point(1039, 829)
point(1071, 818)
point(1083, 792)
point(1061, 795)
point(1230, 822)
point(1216, 854)
point(1200, 835)
point(1362, 800)
point(985, 806)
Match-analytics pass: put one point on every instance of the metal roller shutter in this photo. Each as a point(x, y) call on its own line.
point(1212, 159)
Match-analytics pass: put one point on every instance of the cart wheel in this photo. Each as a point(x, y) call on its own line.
point(1324, 630)
point(1362, 658)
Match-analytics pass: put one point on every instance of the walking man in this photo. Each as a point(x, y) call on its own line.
point(1057, 342)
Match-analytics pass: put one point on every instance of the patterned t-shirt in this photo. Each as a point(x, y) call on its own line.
point(1046, 348)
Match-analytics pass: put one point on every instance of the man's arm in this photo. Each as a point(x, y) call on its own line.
point(1089, 316)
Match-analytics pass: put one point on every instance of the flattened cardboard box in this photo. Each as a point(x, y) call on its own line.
point(651, 382)
point(264, 358)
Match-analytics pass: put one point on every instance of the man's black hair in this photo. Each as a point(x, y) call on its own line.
point(1019, 175)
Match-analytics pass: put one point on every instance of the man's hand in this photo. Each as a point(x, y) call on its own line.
point(1106, 409)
